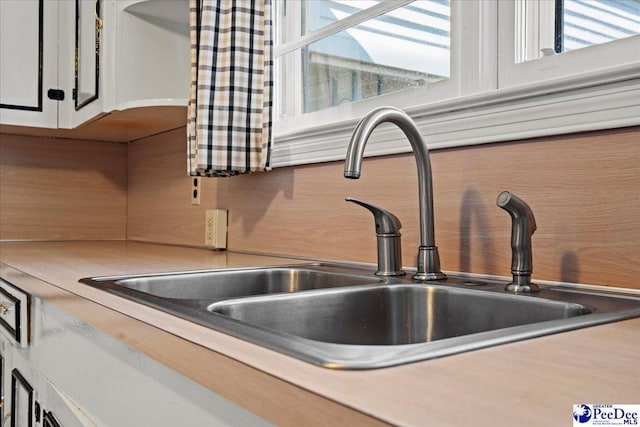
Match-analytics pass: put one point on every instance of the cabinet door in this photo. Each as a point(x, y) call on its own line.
point(79, 59)
point(2, 386)
point(6, 364)
point(21, 401)
point(28, 62)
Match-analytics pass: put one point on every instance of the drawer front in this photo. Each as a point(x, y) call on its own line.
point(9, 312)
point(14, 305)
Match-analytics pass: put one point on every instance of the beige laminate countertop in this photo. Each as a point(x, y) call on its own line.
point(530, 383)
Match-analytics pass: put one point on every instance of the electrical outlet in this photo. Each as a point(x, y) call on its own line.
point(215, 234)
point(195, 190)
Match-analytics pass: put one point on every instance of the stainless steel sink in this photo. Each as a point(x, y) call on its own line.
point(394, 314)
point(344, 317)
point(213, 285)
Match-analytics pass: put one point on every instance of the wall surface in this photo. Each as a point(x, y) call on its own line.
point(62, 189)
point(583, 189)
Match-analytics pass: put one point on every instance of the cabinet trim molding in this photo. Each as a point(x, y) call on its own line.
point(48, 420)
point(78, 104)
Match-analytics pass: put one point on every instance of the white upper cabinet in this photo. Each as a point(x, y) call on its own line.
point(66, 63)
point(28, 62)
point(146, 53)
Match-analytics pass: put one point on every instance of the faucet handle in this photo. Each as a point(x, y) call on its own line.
point(386, 222)
point(388, 238)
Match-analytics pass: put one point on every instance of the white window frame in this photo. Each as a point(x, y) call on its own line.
point(522, 62)
point(493, 98)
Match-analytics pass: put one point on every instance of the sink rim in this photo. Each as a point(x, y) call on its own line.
point(313, 266)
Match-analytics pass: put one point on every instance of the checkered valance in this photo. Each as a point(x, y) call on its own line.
point(229, 114)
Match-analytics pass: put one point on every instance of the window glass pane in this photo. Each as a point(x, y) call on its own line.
point(404, 48)
point(320, 13)
point(588, 22)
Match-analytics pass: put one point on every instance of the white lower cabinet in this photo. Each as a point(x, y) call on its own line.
point(72, 375)
point(28, 400)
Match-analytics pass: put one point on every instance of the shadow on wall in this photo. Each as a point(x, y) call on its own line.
point(570, 268)
point(249, 197)
point(474, 226)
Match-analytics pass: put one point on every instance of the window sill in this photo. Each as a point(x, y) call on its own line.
point(591, 101)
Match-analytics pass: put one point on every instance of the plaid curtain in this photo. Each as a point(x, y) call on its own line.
point(229, 113)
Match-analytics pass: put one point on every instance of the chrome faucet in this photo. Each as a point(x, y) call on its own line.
point(428, 259)
point(523, 225)
point(388, 237)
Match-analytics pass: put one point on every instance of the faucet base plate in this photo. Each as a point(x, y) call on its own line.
point(424, 277)
point(428, 265)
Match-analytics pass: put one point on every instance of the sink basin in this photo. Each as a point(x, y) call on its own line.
point(222, 284)
point(394, 314)
point(344, 317)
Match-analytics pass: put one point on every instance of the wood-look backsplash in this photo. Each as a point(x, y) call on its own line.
point(60, 189)
point(584, 190)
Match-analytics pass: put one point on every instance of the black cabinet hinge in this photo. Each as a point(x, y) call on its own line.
point(56, 94)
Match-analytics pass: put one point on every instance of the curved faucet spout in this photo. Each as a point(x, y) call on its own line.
point(428, 259)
